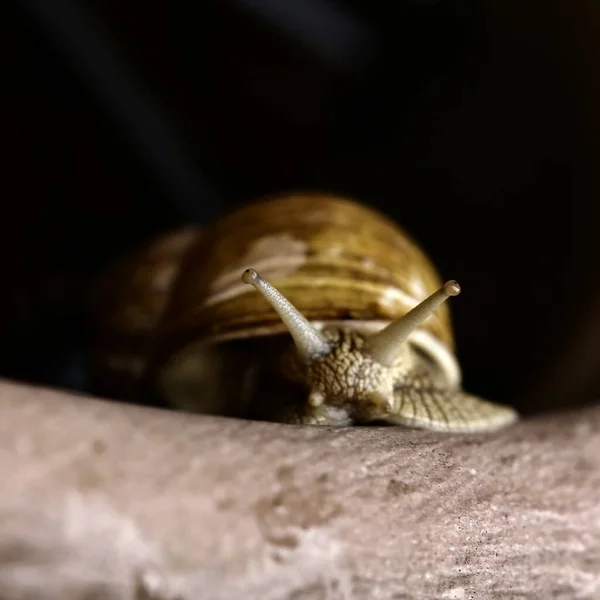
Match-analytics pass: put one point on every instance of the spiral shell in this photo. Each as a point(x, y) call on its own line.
point(333, 258)
point(182, 301)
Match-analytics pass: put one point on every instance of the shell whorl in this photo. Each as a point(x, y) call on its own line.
point(333, 258)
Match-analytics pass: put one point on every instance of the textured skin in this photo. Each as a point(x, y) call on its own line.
point(346, 379)
point(420, 403)
point(354, 388)
point(101, 500)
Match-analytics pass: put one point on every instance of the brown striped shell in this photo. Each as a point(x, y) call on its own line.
point(335, 259)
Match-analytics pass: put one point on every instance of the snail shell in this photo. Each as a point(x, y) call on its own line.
point(125, 309)
point(339, 277)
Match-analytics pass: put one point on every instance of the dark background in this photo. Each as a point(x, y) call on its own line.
point(473, 124)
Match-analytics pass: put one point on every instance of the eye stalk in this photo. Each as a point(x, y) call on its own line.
point(309, 342)
point(386, 345)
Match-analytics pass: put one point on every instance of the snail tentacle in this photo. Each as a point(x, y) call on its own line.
point(386, 345)
point(309, 342)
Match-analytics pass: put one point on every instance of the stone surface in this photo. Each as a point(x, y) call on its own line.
point(101, 500)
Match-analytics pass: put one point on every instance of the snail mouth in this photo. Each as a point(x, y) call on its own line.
point(363, 410)
point(373, 413)
point(380, 403)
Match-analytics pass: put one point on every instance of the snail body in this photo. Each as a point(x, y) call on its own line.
point(304, 308)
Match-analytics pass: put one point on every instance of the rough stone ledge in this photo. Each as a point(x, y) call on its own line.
point(101, 500)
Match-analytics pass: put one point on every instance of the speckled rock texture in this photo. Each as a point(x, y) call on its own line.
point(101, 500)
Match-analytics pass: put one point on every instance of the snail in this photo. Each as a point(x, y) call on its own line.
point(299, 308)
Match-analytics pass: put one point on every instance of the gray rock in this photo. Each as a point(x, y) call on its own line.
point(102, 500)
